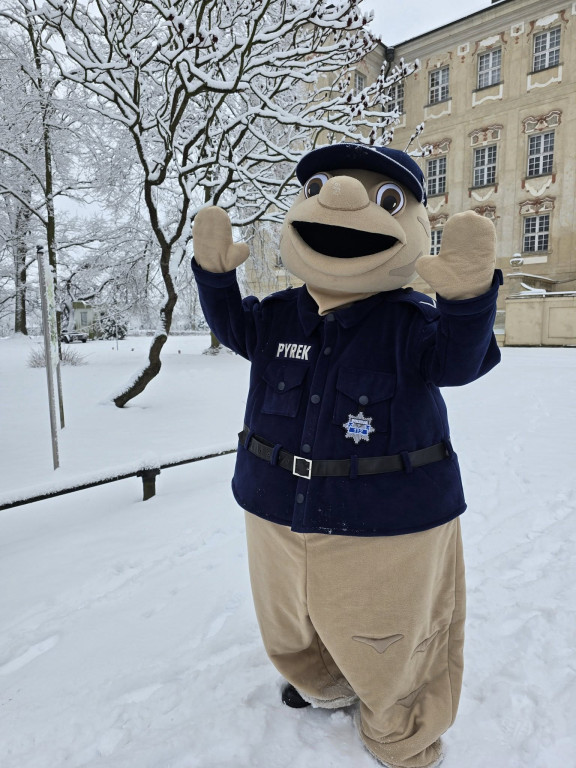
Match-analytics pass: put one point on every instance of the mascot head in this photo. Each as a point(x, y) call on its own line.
point(359, 224)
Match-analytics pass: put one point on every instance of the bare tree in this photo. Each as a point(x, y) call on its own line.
point(20, 165)
point(110, 263)
point(17, 216)
point(220, 98)
point(29, 115)
point(49, 151)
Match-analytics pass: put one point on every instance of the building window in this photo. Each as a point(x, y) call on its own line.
point(84, 319)
point(536, 233)
point(436, 174)
point(540, 154)
point(439, 85)
point(359, 83)
point(484, 166)
point(396, 94)
point(547, 49)
point(436, 241)
point(489, 68)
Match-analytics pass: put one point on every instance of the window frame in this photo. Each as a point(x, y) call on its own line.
point(397, 94)
point(358, 76)
point(544, 155)
point(436, 176)
point(542, 59)
point(439, 92)
point(540, 235)
point(492, 71)
point(436, 240)
point(487, 166)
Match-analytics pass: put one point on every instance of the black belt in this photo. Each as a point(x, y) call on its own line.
point(307, 468)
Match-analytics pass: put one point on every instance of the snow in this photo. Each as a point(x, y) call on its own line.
point(174, 418)
point(127, 633)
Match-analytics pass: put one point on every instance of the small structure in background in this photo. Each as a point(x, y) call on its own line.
point(536, 314)
point(89, 322)
point(84, 319)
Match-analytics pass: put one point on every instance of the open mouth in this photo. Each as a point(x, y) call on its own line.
point(342, 242)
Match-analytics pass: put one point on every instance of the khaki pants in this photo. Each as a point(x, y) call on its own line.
point(382, 618)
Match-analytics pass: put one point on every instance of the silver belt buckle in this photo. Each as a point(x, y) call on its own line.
point(307, 474)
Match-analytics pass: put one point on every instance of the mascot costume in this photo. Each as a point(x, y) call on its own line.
point(351, 486)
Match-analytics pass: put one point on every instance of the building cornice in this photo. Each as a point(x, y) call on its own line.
point(490, 21)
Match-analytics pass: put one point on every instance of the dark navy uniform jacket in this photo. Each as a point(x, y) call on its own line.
point(383, 357)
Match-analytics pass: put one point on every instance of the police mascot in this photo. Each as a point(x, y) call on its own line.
point(345, 468)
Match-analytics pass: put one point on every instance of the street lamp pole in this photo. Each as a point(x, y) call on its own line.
point(47, 300)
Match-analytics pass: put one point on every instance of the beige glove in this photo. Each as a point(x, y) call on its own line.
point(214, 249)
point(464, 268)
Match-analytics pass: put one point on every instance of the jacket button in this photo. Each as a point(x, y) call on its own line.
point(299, 498)
point(363, 400)
point(306, 448)
point(330, 317)
point(315, 399)
point(281, 386)
point(328, 351)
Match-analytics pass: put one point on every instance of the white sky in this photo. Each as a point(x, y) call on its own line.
point(398, 21)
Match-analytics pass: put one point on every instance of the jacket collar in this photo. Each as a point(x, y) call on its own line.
point(347, 317)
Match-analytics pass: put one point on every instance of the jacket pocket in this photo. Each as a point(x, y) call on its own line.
point(284, 384)
point(368, 392)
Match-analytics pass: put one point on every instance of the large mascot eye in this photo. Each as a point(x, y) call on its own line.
point(391, 198)
point(315, 184)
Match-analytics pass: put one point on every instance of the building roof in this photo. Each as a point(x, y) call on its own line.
point(456, 21)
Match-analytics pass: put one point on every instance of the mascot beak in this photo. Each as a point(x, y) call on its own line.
point(338, 219)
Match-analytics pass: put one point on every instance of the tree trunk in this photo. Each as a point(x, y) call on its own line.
point(139, 384)
point(20, 251)
point(48, 166)
point(146, 374)
point(20, 297)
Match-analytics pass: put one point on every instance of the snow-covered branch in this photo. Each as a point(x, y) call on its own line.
point(219, 98)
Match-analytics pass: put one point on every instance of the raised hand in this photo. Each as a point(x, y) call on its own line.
point(214, 249)
point(464, 268)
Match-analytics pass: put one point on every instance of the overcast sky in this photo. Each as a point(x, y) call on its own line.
point(400, 20)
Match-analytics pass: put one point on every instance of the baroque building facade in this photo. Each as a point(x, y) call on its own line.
point(497, 93)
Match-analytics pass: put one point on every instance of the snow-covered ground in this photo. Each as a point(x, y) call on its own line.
point(127, 634)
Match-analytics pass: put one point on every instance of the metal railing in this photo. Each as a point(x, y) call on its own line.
point(147, 474)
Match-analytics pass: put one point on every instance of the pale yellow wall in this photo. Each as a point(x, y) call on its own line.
point(549, 321)
point(510, 25)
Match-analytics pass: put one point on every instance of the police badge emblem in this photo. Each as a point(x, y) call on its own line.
point(359, 427)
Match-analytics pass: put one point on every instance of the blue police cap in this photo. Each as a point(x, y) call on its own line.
point(393, 163)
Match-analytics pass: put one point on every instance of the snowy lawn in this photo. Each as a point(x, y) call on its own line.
point(127, 634)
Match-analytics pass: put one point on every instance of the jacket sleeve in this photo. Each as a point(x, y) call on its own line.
point(460, 346)
point(233, 320)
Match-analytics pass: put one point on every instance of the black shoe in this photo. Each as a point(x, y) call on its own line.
point(292, 698)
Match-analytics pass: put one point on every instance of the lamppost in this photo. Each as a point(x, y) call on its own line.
point(51, 354)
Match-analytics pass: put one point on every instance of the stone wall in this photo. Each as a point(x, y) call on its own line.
point(548, 321)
